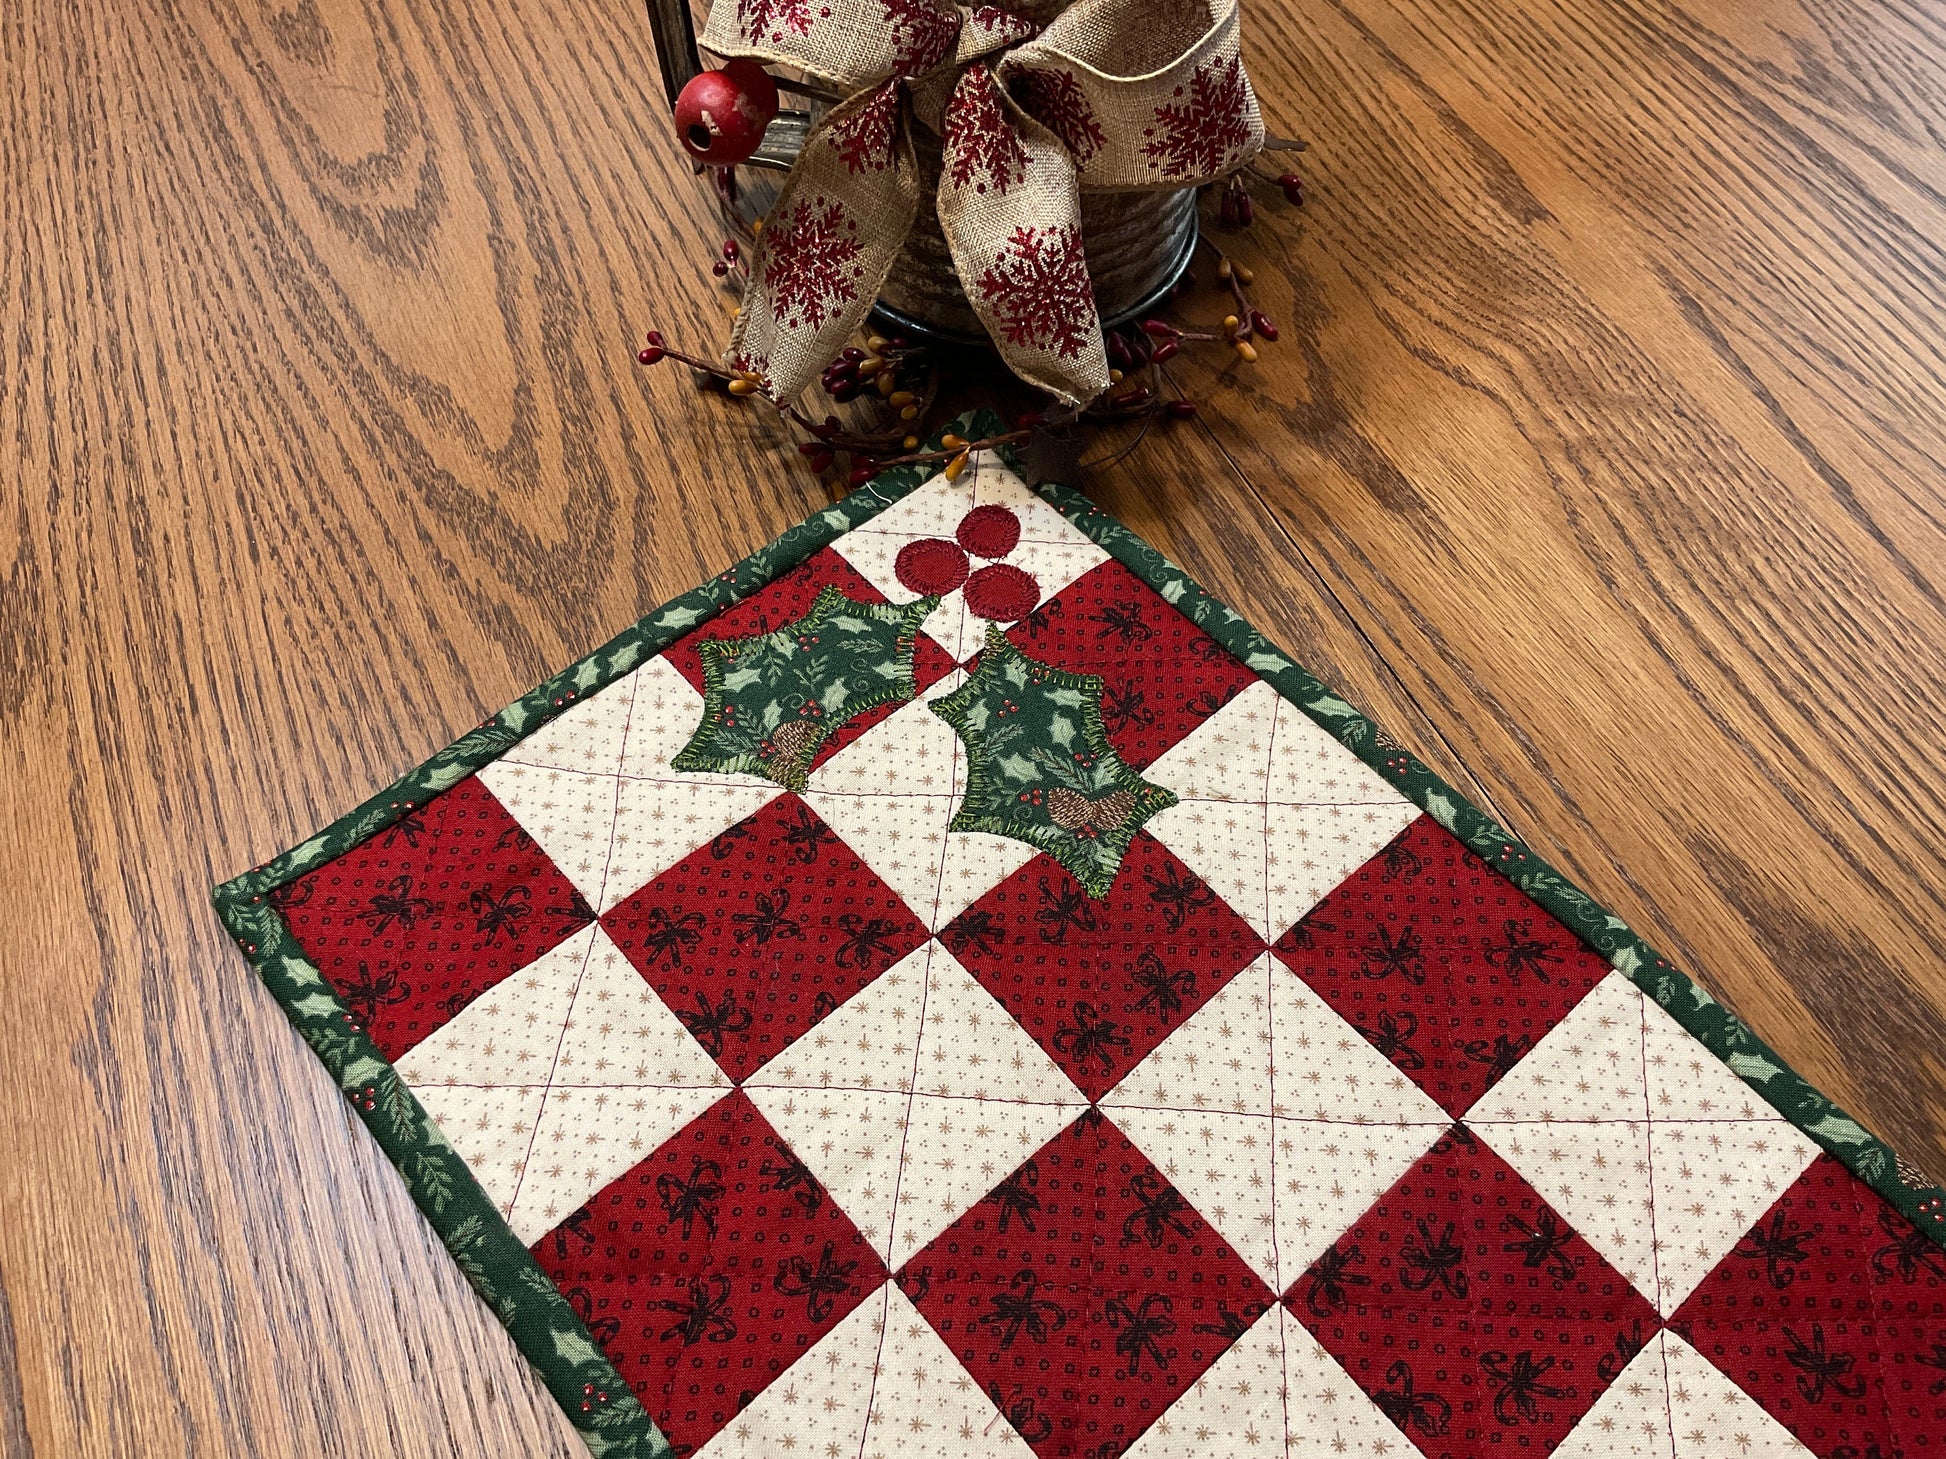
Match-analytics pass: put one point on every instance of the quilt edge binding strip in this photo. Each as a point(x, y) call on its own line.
point(546, 1329)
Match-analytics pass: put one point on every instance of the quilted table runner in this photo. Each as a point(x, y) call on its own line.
point(947, 987)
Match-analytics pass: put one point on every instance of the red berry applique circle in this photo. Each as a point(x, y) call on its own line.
point(989, 531)
point(1002, 593)
point(931, 566)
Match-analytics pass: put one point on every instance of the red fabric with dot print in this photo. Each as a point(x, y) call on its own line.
point(1099, 983)
point(1474, 1316)
point(757, 936)
point(1831, 1313)
point(1084, 1294)
point(420, 920)
point(1445, 966)
point(710, 1268)
point(1162, 675)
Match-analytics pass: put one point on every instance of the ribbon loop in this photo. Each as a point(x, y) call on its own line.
point(1012, 217)
point(1177, 110)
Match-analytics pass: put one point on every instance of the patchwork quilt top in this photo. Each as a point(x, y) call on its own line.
point(948, 987)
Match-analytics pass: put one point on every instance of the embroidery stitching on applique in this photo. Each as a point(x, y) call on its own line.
point(771, 700)
point(1039, 765)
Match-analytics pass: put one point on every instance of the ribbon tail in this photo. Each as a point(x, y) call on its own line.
point(1011, 213)
point(828, 242)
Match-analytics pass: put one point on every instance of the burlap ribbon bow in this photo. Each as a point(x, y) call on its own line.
point(1112, 95)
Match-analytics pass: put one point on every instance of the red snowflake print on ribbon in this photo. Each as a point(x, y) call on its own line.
point(1039, 292)
point(982, 148)
point(865, 140)
point(1055, 100)
point(1002, 26)
point(813, 266)
point(1197, 135)
point(922, 35)
point(772, 19)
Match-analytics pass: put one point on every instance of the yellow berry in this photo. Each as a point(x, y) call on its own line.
point(742, 387)
point(1246, 351)
point(1246, 275)
point(911, 412)
point(955, 466)
point(910, 443)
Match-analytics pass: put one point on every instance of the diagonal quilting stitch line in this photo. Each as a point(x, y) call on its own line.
point(1668, 1398)
point(1270, 1058)
point(1648, 1141)
point(905, 1134)
point(628, 720)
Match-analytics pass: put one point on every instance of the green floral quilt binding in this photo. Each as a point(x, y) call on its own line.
point(769, 701)
point(1039, 765)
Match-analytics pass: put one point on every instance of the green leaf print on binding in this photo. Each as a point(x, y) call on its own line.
point(1039, 765)
point(771, 700)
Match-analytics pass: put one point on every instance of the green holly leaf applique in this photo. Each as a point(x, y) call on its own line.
point(1039, 765)
point(771, 700)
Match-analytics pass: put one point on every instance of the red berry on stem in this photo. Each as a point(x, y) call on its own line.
point(721, 116)
point(1260, 322)
point(649, 355)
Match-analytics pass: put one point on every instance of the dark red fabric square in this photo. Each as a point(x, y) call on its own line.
point(1099, 983)
point(1444, 964)
point(1831, 1313)
point(1162, 675)
point(412, 925)
point(710, 1268)
point(757, 936)
point(789, 598)
point(1084, 1294)
point(1474, 1316)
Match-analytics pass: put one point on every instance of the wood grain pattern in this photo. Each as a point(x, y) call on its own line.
point(1601, 460)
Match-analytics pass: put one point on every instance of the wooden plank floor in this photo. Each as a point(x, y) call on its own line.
point(1602, 458)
